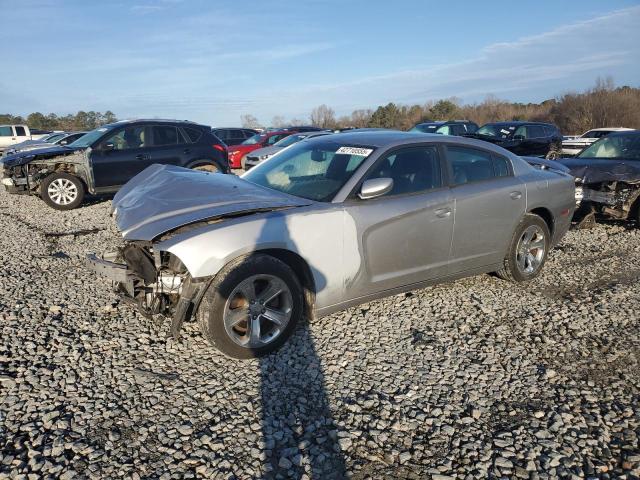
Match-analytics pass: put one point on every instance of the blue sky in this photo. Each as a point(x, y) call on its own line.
point(212, 61)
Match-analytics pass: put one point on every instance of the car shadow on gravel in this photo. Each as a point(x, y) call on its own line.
point(298, 428)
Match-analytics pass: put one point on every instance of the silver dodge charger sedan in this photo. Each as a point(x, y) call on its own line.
point(331, 222)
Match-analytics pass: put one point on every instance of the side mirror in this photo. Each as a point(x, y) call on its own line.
point(107, 147)
point(518, 137)
point(375, 187)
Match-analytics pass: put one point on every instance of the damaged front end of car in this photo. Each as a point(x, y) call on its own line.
point(23, 173)
point(617, 200)
point(156, 282)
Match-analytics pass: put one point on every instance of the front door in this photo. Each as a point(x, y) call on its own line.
point(489, 202)
point(128, 154)
point(404, 236)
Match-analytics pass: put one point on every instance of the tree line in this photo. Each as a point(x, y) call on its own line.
point(603, 105)
point(79, 121)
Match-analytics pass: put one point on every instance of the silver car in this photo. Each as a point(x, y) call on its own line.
point(330, 222)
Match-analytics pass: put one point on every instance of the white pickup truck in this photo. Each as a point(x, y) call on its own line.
point(12, 134)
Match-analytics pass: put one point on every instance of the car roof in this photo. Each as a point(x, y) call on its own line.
point(611, 129)
point(154, 120)
point(519, 122)
point(624, 133)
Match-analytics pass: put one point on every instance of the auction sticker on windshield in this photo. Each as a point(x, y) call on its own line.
point(362, 152)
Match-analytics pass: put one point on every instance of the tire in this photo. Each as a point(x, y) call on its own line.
point(62, 191)
point(228, 314)
point(553, 153)
point(524, 260)
point(211, 167)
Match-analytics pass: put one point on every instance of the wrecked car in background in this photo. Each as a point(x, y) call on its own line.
point(330, 222)
point(572, 146)
point(106, 158)
point(608, 177)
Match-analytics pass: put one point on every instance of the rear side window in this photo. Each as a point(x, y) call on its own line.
point(193, 134)
point(20, 132)
point(6, 132)
point(535, 131)
point(469, 165)
point(164, 135)
point(501, 166)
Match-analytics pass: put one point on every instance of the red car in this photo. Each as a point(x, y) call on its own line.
point(259, 140)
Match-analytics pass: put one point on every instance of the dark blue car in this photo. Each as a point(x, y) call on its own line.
point(108, 157)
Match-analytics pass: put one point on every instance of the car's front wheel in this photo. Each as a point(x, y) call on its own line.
point(251, 307)
point(62, 191)
point(528, 250)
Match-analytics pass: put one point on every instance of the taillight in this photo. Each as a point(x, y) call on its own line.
point(220, 147)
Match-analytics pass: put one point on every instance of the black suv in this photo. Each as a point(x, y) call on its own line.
point(523, 138)
point(451, 127)
point(233, 136)
point(108, 157)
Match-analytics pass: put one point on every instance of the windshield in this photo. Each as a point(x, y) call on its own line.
point(426, 127)
point(596, 134)
point(290, 140)
point(618, 146)
point(257, 138)
point(53, 137)
point(313, 170)
point(496, 130)
point(89, 138)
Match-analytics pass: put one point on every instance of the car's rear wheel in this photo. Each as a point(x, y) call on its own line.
point(251, 307)
point(528, 250)
point(553, 153)
point(62, 191)
point(208, 167)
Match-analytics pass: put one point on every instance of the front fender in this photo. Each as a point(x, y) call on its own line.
point(315, 236)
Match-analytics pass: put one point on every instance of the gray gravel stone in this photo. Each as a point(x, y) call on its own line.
point(477, 378)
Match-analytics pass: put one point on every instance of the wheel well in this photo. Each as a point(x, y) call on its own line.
point(203, 161)
point(546, 215)
point(302, 271)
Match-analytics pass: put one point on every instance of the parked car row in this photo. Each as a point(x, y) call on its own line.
point(248, 257)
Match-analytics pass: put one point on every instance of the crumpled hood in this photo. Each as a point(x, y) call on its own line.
point(594, 170)
point(27, 156)
point(272, 150)
point(165, 197)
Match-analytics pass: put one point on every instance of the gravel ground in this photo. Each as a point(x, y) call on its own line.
point(473, 379)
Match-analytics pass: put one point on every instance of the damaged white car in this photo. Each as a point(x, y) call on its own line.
point(330, 222)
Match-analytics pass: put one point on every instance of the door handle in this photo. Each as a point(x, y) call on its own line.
point(443, 212)
point(187, 151)
point(515, 195)
point(143, 156)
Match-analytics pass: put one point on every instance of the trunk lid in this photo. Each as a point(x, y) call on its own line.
point(166, 197)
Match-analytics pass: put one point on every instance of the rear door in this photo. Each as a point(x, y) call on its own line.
point(406, 234)
point(538, 140)
point(489, 202)
point(167, 147)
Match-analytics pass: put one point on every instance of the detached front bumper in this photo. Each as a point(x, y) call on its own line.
point(118, 273)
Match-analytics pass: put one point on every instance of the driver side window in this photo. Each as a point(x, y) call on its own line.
point(128, 138)
point(413, 170)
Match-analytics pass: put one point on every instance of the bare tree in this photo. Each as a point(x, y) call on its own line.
point(278, 121)
point(249, 121)
point(296, 122)
point(323, 117)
